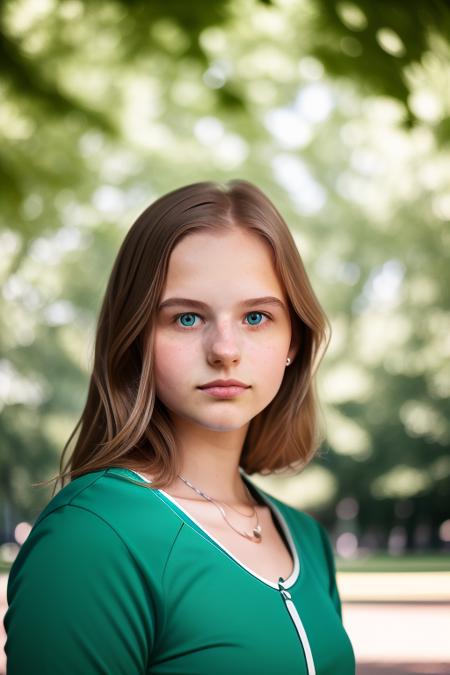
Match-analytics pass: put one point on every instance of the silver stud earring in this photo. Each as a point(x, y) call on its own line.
point(288, 360)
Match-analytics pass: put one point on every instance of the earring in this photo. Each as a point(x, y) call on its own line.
point(288, 360)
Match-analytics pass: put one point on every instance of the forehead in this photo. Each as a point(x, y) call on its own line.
point(236, 263)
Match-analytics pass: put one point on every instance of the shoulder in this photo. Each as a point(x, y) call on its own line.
point(88, 576)
point(307, 521)
point(115, 495)
point(306, 527)
point(107, 513)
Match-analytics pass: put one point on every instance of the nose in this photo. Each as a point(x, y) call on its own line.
point(223, 347)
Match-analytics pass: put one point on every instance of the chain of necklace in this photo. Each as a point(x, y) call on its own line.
point(257, 531)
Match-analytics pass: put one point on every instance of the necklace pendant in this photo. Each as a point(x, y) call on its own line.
point(257, 533)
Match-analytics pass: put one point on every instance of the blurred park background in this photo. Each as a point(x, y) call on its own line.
point(340, 111)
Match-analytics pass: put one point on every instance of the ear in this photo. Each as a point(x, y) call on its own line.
point(295, 343)
point(292, 353)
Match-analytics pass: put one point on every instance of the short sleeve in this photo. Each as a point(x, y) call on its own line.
point(77, 602)
point(333, 587)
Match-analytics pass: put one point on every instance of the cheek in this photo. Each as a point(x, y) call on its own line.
point(268, 364)
point(171, 362)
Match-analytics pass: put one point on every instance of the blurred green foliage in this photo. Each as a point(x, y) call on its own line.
point(340, 112)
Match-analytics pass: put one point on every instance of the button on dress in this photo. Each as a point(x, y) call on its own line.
point(116, 578)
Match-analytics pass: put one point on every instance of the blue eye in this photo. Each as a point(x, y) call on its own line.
point(189, 325)
point(191, 318)
point(255, 314)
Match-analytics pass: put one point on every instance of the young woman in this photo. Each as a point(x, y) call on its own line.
point(160, 555)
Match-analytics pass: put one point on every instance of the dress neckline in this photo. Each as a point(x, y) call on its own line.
point(276, 513)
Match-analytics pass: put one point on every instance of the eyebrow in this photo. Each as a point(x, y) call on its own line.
point(266, 300)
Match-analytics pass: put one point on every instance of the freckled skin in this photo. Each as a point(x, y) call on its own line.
point(224, 341)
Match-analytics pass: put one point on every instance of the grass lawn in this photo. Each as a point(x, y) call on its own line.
point(383, 562)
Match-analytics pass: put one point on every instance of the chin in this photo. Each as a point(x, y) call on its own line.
point(225, 427)
point(217, 422)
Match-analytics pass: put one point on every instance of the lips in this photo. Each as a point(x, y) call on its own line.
point(224, 383)
point(223, 392)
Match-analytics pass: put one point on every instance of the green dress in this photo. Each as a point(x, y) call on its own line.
point(116, 579)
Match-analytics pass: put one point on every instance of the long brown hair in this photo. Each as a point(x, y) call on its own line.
point(123, 422)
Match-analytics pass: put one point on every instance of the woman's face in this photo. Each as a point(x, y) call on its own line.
point(227, 338)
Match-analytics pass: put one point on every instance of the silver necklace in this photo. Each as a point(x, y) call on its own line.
point(256, 536)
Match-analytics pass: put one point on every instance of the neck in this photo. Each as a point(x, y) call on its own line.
point(211, 464)
point(238, 494)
